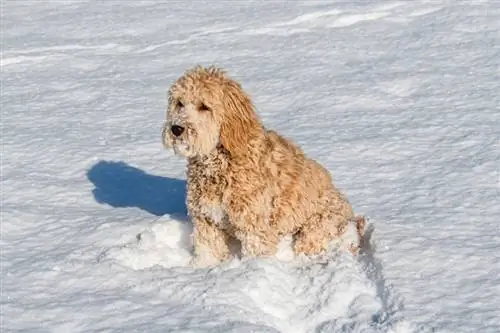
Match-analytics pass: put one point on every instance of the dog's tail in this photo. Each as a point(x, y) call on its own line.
point(360, 224)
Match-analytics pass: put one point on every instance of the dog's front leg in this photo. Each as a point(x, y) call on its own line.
point(252, 229)
point(211, 244)
point(257, 243)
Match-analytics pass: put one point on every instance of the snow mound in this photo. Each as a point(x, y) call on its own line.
point(166, 243)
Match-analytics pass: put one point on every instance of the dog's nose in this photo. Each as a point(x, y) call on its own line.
point(177, 130)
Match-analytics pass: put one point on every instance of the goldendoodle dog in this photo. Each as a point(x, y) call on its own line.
point(245, 182)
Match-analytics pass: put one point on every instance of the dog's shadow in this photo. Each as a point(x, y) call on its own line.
point(121, 185)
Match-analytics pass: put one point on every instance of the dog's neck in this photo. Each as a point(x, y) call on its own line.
point(218, 156)
point(251, 148)
point(225, 161)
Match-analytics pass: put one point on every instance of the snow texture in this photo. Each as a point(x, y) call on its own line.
point(400, 100)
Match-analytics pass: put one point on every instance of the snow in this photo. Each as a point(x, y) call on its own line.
point(398, 99)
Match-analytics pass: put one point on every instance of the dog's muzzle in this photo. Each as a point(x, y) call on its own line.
point(165, 136)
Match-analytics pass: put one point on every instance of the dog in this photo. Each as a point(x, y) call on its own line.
point(246, 184)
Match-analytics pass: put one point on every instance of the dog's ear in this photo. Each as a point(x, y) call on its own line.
point(239, 122)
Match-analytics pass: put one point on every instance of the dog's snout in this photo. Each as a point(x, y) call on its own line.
point(177, 130)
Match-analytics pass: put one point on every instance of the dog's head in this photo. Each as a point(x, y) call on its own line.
point(205, 109)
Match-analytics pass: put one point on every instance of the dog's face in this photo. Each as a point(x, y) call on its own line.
point(205, 109)
point(191, 128)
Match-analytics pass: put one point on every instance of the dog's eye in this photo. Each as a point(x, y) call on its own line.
point(203, 107)
point(179, 104)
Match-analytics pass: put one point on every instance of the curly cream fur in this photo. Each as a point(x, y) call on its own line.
point(245, 182)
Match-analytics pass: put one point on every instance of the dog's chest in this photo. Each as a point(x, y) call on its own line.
point(215, 212)
point(206, 200)
point(206, 188)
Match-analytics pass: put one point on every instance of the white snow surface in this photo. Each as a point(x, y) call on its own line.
point(400, 100)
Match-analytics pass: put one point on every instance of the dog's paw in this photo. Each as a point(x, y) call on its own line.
point(204, 259)
point(196, 262)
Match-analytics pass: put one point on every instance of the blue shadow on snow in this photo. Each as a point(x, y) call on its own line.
point(121, 185)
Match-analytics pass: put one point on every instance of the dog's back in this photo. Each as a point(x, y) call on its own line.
point(300, 187)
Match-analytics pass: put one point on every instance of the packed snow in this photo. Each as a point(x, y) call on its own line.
point(400, 100)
